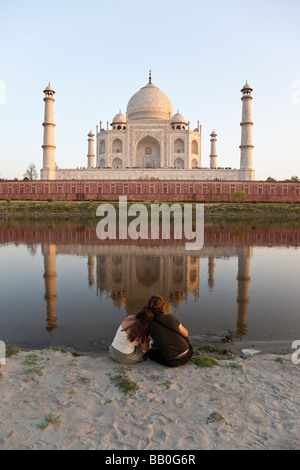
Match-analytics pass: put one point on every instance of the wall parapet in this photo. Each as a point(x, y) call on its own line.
point(128, 174)
point(151, 190)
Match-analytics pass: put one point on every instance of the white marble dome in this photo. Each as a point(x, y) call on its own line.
point(119, 119)
point(149, 103)
point(178, 118)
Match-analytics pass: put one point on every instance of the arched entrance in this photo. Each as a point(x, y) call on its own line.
point(117, 163)
point(147, 153)
point(179, 163)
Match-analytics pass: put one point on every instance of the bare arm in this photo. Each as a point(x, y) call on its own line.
point(127, 323)
point(145, 344)
point(183, 330)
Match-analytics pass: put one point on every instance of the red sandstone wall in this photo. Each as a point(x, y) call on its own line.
point(171, 190)
point(70, 233)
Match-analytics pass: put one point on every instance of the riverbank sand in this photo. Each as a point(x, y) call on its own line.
point(55, 400)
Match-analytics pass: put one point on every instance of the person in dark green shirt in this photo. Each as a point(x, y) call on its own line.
point(172, 347)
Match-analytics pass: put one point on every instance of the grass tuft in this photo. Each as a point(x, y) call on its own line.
point(124, 383)
point(215, 417)
point(204, 361)
point(49, 419)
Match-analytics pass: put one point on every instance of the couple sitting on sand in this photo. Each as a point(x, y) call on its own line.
point(169, 341)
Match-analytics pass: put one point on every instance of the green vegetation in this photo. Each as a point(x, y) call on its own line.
point(123, 382)
point(204, 361)
point(11, 350)
point(215, 417)
point(234, 367)
point(88, 208)
point(167, 384)
point(62, 350)
point(34, 365)
point(49, 419)
point(84, 380)
point(240, 195)
point(279, 360)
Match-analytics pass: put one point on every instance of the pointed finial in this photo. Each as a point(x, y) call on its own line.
point(150, 77)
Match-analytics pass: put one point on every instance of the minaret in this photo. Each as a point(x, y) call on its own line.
point(91, 152)
point(246, 124)
point(49, 252)
point(48, 171)
point(213, 150)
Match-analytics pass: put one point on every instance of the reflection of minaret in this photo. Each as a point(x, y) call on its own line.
point(91, 270)
point(243, 278)
point(211, 272)
point(49, 252)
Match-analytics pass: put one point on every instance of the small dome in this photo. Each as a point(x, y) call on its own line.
point(149, 103)
point(178, 119)
point(119, 119)
point(49, 88)
point(247, 87)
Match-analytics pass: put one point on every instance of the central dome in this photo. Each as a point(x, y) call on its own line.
point(149, 103)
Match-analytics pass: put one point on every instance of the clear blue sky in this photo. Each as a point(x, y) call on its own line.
point(97, 54)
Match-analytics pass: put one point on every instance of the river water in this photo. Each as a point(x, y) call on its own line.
point(61, 286)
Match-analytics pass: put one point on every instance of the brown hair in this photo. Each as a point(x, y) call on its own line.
point(140, 329)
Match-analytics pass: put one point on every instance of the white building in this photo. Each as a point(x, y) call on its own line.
point(150, 141)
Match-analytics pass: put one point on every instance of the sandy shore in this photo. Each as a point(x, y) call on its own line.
point(54, 400)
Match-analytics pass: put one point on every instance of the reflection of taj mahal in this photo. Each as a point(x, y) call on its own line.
point(129, 276)
point(149, 142)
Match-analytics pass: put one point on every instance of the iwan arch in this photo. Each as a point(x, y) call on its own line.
point(149, 142)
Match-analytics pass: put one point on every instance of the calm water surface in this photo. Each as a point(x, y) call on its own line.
point(61, 286)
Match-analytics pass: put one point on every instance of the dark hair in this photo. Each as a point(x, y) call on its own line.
point(156, 304)
point(140, 329)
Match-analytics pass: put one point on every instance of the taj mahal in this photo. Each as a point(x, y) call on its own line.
point(149, 142)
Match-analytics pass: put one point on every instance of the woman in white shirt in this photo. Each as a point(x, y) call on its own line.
point(132, 338)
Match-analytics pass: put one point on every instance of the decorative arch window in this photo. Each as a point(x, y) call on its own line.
point(195, 147)
point(117, 163)
point(102, 147)
point(117, 146)
point(179, 163)
point(148, 151)
point(179, 146)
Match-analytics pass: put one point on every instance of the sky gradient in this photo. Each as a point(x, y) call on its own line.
point(97, 54)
